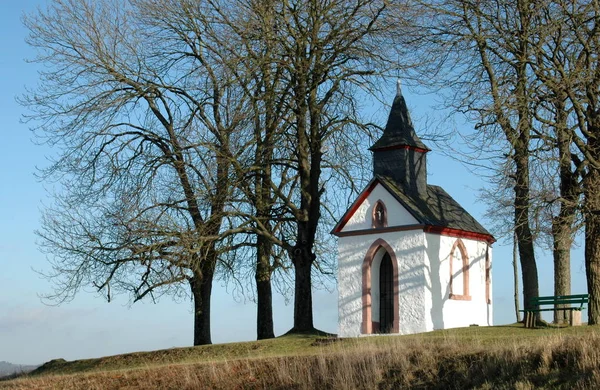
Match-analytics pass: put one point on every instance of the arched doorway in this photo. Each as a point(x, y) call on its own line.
point(386, 295)
point(380, 290)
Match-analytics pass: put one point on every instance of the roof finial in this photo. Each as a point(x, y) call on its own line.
point(398, 87)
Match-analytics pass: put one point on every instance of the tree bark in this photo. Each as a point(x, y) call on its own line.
point(561, 234)
point(520, 140)
point(562, 224)
point(263, 201)
point(309, 171)
point(592, 243)
point(525, 238)
point(592, 176)
point(516, 277)
point(562, 228)
point(303, 315)
point(264, 313)
point(201, 286)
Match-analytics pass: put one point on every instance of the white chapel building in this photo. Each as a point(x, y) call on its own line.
point(410, 258)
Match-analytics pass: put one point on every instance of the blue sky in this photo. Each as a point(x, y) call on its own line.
point(31, 332)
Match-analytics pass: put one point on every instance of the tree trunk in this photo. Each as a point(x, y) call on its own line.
point(303, 316)
point(264, 313)
point(561, 234)
point(201, 285)
point(520, 140)
point(309, 171)
point(592, 243)
point(525, 238)
point(562, 225)
point(516, 277)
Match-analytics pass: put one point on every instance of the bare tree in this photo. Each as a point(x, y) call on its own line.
point(139, 112)
point(331, 48)
point(570, 70)
point(263, 80)
point(480, 51)
point(550, 64)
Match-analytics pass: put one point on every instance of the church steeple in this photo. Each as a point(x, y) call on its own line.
point(399, 154)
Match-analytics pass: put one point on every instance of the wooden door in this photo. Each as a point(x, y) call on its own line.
point(386, 295)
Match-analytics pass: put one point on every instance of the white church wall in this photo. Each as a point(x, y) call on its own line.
point(396, 214)
point(410, 253)
point(445, 312)
point(408, 247)
point(430, 283)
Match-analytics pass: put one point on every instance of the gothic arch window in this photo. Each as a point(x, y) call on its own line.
point(459, 272)
point(379, 216)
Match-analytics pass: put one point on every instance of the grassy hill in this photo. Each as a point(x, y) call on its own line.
point(508, 357)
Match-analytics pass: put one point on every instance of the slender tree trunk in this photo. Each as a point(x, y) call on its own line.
point(520, 140)
point(264, 314)
point(264, 212)
point(592, 243)
point(525, 238)
point(201, 286)
point(562, 225)
point(561, 233)
point(516, 277)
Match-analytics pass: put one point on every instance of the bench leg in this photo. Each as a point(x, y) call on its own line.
point(575, 318)
point(529, 319)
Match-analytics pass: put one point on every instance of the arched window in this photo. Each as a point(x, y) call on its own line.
point(379, 216)
point(488, 275)
point(459, 272)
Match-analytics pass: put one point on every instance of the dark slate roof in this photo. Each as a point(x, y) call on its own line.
point(439, 209)
point(399, 130)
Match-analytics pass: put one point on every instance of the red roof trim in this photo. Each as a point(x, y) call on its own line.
point(367, 191)
point(408, 147)
point(446, 231)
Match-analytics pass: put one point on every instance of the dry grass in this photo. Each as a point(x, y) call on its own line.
point(479, 358)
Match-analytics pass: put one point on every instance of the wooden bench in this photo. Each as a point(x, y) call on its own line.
point(572, 303)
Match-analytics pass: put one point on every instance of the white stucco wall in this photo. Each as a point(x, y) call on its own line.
point(409, 248)
point(447, 313)
point(396, 214)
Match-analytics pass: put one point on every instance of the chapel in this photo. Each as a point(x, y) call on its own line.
point(410, 258)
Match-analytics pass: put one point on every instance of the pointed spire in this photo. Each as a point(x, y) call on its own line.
point(399, 154)
point(399, 130)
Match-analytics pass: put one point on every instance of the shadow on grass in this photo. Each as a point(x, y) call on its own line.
point(314, 332)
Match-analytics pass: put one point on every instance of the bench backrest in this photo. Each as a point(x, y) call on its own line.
point(579, 299)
